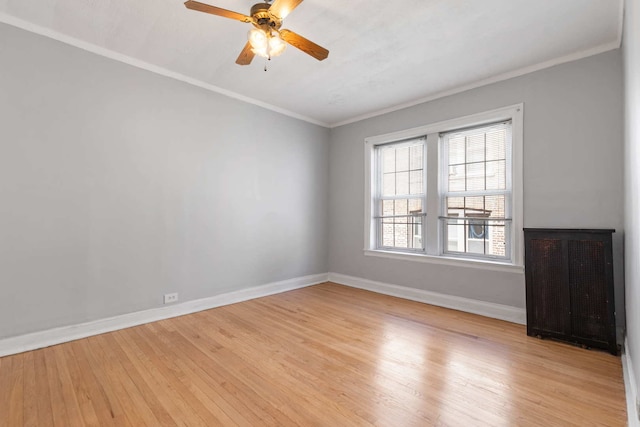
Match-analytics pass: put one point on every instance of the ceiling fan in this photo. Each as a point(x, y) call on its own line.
point(266, 39)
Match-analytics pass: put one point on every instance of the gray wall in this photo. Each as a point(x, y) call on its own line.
point(631, 46)
point(118, 186)
point(573, 156)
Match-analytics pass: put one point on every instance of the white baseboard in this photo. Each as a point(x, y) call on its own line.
point(33, 341)
point(630, 386)
point(483, 308)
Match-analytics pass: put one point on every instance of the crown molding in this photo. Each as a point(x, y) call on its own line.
point(90, 47)
point(484, 82)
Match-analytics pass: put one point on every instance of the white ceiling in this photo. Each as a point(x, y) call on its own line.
point(383, 54)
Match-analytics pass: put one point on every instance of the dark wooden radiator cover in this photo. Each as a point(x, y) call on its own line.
point(569, 277)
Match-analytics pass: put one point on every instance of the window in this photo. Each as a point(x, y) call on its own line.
point(448, 192)
point(476, 196)
point(400, 195)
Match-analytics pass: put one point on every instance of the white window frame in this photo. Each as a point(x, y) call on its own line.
point(378, 197)
point(433, 252)
point(444, 193)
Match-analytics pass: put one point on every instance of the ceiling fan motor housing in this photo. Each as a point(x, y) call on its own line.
point(263, 18)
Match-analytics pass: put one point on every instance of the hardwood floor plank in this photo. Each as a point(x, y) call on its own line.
point(169, 372)
point(81, 391)
point(161, 386)
point(67, 388)
point(12, 391)
point(96, 401)
point(133, 399)
point(235, 382)
point(154, 410)
point(225, 388)
point(207, 396)
point(30, 403)
point(59, 411)
point(16, 397)
point(42, 395)
point(103, 384)
point(325, 355)
point(253, 368)
point(5, 389)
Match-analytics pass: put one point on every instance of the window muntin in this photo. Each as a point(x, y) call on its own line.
point(476, 196)
point(399, 198)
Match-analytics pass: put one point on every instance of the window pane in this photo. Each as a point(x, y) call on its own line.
point(456, 150)
point(402, 233)
point(401, 207)
point(402, 169)
point(402, 183)
point(474, 206)
point(496, 175)
point(494, 206)
point(415, 182)
point(497, 231)
point(454, 241)
point(387, 208)
point(389, 184)
point(477, 207)
point(416, 157)
point(496, 144)
point(475, 176)
point(455, 206)
point(475, 148)
point(387, 234)
point(457, 177)
point(388, 160)
point(415, 206)
point(402, 159)
point(482, 164)
point(402, 228)
point(476, 236)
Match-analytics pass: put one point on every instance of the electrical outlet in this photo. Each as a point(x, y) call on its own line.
point(169, 298)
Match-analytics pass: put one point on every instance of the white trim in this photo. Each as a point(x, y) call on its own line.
point(482, 308)
point(491, 80)
point(480, 264)
point(515, 113)
point(43, 31)
point(33, 341)
point(630, 386)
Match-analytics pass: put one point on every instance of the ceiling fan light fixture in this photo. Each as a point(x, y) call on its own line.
point(266, 44)
point(276, 45)
point(258, 39)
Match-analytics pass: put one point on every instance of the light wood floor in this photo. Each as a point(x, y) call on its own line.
point(324, 355)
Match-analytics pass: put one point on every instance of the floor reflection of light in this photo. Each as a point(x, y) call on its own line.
point(438, 377)
point(477, 387)
point(400, 371)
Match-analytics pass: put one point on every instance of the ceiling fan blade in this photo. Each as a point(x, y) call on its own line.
point(281, 8)
point(307, 46)
point(246, 56)
point(201, 7)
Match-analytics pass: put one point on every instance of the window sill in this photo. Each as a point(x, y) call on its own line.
point(445, 260)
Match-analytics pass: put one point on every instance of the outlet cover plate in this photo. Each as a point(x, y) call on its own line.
point(169, 298)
